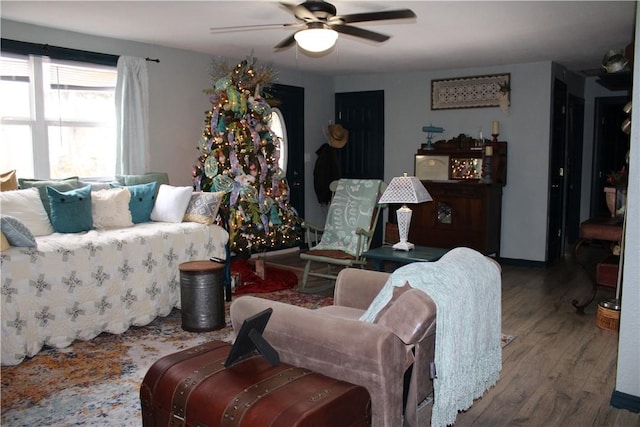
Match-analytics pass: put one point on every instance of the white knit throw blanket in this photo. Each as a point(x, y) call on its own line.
point(466, 287)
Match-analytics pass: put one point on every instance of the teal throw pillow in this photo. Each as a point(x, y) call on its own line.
point(71, 210)
point(65, 184)
point(16, 232)
point(143, 197)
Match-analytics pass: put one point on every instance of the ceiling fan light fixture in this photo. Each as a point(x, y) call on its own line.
point(316, 39)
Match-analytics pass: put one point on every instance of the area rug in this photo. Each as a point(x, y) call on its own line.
point(249, 282)
point(96, 383)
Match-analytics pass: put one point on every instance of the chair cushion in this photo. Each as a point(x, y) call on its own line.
point(330, 254)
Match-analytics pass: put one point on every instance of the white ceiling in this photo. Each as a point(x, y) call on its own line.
point(445, 35)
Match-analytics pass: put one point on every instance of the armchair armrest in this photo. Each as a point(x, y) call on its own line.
point(357, 288)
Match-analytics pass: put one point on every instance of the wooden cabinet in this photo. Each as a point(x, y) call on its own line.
point(461, 214)
point(467, 207)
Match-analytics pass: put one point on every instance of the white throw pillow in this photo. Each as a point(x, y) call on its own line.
point(27, 206)
point(171, 203)
point(110, 208)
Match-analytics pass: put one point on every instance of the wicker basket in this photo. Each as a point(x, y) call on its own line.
point(607, 318)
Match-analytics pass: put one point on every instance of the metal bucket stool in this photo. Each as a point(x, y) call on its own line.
point(202, 295)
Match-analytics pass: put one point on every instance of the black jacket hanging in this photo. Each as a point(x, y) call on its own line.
point(327, 169)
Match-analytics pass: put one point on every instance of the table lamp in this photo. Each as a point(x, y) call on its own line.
point(405, 189)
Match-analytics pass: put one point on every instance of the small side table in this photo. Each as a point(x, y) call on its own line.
point(386, 253)
point(202, 295)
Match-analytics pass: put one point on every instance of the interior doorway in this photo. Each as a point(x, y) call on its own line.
point(565, 171)
point(610, 148)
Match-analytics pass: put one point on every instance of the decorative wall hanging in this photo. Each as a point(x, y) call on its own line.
point(472, 92)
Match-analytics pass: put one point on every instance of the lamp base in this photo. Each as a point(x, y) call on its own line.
point(403, 246)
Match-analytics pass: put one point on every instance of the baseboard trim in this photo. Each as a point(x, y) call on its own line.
point(622, 400)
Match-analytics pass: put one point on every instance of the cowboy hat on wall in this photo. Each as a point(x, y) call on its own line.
point(338, 136)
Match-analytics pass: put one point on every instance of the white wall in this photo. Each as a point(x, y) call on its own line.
point(177, 100)
point(526, 128)
point(628, 374)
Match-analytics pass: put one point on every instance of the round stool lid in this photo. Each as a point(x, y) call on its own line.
point(200, 266)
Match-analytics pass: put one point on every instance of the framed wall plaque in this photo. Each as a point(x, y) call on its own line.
point(471, 92)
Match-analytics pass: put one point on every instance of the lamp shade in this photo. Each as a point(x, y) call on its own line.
point(316, 39)
point(405, 189)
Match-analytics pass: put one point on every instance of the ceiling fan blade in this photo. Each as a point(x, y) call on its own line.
point(300, 12)
point(289, 41)
point(214, 30)
point(359, 32)
point(375, 16)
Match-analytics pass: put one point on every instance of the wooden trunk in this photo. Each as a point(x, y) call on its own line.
point(193, 388)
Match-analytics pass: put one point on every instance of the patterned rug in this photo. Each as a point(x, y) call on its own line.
point(97, 382)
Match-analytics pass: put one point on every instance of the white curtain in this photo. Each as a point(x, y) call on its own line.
point(132, 116)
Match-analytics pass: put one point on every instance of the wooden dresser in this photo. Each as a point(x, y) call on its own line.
point(467, 206)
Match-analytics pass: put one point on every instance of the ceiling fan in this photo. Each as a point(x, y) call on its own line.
point(321, 25)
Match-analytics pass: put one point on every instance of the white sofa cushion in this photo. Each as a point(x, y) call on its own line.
point(27, 206)
point(171, 203)
point(110, 208)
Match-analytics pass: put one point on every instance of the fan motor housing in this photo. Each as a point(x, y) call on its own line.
point(320, 9)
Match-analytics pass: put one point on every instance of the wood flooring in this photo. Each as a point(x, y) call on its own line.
point(560, 370)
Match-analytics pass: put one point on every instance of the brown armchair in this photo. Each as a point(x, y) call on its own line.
point(379, 356)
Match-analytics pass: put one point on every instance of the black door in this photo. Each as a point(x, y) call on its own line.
point(362, 114)
point(575, 124)
point(609, 149)
point(290, 101)
point(555, 225)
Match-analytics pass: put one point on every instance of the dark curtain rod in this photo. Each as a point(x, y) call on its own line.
point(56, 52)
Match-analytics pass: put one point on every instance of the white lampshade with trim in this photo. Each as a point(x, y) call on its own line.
point(405, 189)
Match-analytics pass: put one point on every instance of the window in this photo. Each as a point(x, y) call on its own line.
point(57, 117)
point(279, 129)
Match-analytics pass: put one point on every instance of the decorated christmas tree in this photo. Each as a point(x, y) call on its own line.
point(239, 156)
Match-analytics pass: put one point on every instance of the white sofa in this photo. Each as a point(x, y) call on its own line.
point(77, 285)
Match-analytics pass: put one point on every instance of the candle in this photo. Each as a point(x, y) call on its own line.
point(495, 128)
point(488, 150)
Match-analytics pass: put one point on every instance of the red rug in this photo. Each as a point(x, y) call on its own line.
point(275, 279)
